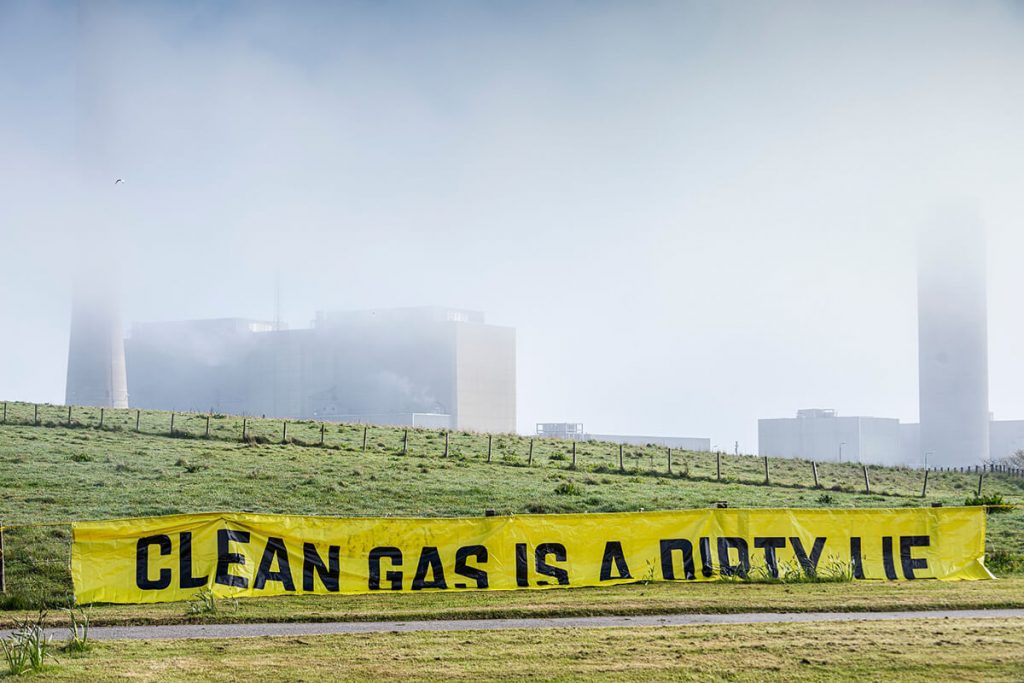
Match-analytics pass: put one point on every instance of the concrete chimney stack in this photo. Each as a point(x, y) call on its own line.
point(96, 369)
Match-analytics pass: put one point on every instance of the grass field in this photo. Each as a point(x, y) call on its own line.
point(905, 651)
point(51, 474)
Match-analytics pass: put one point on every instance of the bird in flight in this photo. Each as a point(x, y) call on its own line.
point(119, 180)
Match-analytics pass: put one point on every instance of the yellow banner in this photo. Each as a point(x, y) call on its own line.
point(161, 559)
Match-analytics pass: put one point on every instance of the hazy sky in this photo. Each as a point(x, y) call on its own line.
point(695, 214)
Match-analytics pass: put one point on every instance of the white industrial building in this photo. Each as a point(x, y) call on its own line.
point(823, 435)
point(574, 431)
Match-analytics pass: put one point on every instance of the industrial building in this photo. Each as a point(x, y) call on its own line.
point(953, 342)
point(823, 435)
point(96, 363)
point(430, 367)
point(574, 431)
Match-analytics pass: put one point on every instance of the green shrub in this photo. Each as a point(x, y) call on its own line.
point(568, 488)
point(1005, 562)
point(993, 502)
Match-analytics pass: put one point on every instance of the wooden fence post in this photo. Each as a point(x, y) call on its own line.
point(718, 466)
point(366, 428)
point(446, 443)
point(981, 477)
point(767, 474)
point(621, 468)
point(3, 574)
point(529, 458)
point(488, 448)
point(172, 424)
point(69, 416)
point(138, 416)
point(405, 442)
point(814, 470)
point(924, 489)
point(867, 482)
point(244, 426)
point(284, 431)
point(574, 454)
point(323, 428)
point(35, 413)
point(207, 425)
point(101, 419)
point(670, 461)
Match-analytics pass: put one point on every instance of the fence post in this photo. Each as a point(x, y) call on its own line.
point(138, 416)
point(207, 425)
point(529, 459)
point(69, 416)
point(101, 419)
point(365, 429)
point(172, 424)
point(3, 574)
point(718, 466)
point(35, 414)
point(244, 425)
point(323, 427)
point(5, 412)
point(488, 448)
point(284, 431)
point(867, 482)
point(981, 477)
point(767, 473)
point(924, 489)
point(405, 442)
point(670, 461)
point(621, 468)
point(814, 469)
point(446, 443)
point(574, 454)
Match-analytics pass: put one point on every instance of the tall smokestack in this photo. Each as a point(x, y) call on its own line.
point(96, 370)
point(953, 341)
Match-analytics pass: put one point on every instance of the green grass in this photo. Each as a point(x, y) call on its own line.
point(910, 651)
point(51, 474)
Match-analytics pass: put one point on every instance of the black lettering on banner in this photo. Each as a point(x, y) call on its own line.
point(808, 563)
point(707, 564)
point(225, 559)
point(522, 579)
point(275, 550)
point(185, 578)
point(142, 579)
point(541, 554)
point(890, 569)
point(393, 554)
point(462, 569)
point(742, 566)
point(855, 558)
point(770, 545)
point(613, 555)
point(909, 563)
point(430, 561)
point(312, 562)
point(668, 569)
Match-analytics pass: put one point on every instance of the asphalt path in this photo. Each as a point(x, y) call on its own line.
point(271, 630)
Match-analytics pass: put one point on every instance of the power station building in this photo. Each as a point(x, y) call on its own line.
point(431, 367)
point(956, 427)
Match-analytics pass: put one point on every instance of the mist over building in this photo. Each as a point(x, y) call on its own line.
point(956, 428)
point(433, 367)
point(96, 361)
point(952, 316)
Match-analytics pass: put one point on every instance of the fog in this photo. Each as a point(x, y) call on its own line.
point(694, 214)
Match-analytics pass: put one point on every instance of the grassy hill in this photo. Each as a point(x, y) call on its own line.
point(53, 471)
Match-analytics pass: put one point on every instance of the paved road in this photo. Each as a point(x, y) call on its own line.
point(316, 629)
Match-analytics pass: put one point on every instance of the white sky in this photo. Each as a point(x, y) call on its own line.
point(695, 215)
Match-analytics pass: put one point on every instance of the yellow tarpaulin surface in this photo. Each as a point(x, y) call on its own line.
point(161, 559)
